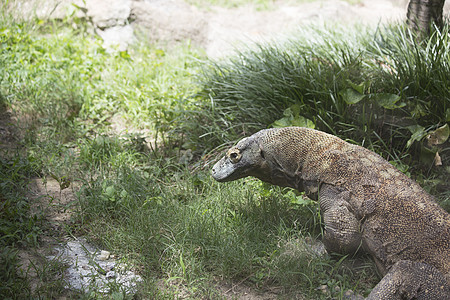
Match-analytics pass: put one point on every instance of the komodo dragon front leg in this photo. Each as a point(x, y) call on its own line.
point(342, 234)
point(342, 229)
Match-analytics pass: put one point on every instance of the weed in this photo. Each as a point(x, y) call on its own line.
point(13, 283)
point(18, 227)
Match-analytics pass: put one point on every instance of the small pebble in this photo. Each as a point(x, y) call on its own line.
point(323, 288)
point(110, 266)
point(110, 275)
point(348, 293)
point(104, 255)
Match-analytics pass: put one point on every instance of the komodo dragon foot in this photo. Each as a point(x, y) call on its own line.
point(411, 280)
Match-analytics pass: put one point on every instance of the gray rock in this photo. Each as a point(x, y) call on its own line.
point(45, 9)
point(117, 38)
point(110, 275)
point(170, 21)
point(86, 272)
point(108, 13)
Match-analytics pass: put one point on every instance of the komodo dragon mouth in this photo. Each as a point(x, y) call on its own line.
point(366, 204)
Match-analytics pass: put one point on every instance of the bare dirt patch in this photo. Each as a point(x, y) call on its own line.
point(9, 135)
point(229, 28)
point(238, 290)
point(47, 200)
point(54, 200)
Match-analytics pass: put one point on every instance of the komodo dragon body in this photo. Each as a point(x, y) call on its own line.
point(366, 204)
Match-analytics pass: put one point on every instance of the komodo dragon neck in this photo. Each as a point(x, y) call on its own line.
point(298, 156)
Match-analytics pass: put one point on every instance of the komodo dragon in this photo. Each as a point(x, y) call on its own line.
point(365, 202)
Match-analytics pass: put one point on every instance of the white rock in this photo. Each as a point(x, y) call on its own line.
point(104, 255)
point(85, 273)
point(110, 275)
point(117, 38)
point(108, 13)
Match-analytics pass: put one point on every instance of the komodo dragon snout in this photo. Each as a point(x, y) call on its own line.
point(366, 203)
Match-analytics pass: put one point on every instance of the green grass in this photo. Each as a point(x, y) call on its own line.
point(186, 234)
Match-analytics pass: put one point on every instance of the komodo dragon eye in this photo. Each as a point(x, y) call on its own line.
point(234, 155)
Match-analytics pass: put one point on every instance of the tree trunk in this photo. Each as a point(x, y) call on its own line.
point(421, 13)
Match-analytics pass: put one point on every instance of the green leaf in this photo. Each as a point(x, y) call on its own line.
point(387, 100)
point(299, 199)
point(401, 167)
point(124, 54)
point(419, 111)
point(417, 133)
point(302, 122)
point(283, 122)
point(288, 112)
point(350, 96)
point(292, 118)
point(360, 88)
point(123, 194)
point(299, 121)
point(160, 52)
point(109, 191)
point(295, 109)
point(439, 136)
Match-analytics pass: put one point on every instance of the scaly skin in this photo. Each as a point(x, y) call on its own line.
point(366, 203)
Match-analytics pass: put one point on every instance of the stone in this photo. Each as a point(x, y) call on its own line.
point(104, 255)
point(110, 275)
point(170, 21)
point(117, 38)
point(86, 273)
point(108, 13)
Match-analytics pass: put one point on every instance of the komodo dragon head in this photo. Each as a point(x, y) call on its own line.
point(268, 155)
point(247, 158)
